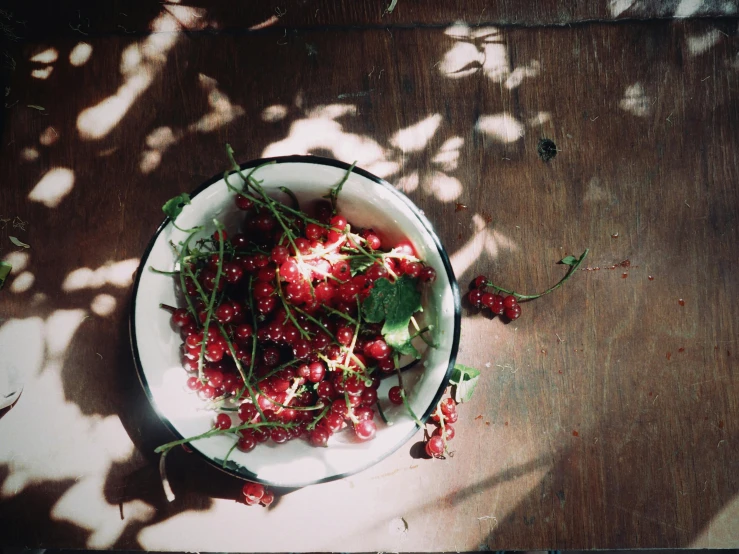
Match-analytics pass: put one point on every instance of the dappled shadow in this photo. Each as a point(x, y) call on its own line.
point(453, 119)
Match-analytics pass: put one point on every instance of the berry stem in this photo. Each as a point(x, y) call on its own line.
point(314, 320)
point(334, 194)
point(217, 431)
point(518, 296)
point(402, 393)
point(170, 309)
point(419, 333)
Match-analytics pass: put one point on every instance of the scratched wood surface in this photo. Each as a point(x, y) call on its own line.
point(606, 416)
point(91, 18)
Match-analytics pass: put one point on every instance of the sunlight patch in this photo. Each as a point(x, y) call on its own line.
point(700, 44)
point(495, 66)
point(19, 261)
point(23, 282)
point(443, 186)
point(409, 183)
point(140, 63)
point(48, 136)
point(447, 158)
point(222, 112)
point(17, 365)
point(686, 8)
point(42, 74)
point(461, 60)
point(103, 305)
point(308, 135)
point(458, 30)
point(29, 154)
point(53, 187)
point(274, 113)
point(49, 55)
point(618, 7)
point(60, 327)
point(118, 274)
point(522, 72)
point(332, 111)
point(501, 127)
point(635, 101)
point(80, 54)
point(417, 136)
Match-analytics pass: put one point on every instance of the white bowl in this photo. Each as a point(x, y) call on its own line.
point(366, 201)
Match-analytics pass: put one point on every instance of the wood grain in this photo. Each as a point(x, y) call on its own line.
point(607, 413)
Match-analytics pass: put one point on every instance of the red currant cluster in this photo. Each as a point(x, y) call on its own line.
point(443, 417)
point(255, 493)
point(498, 304)
point(271, 329)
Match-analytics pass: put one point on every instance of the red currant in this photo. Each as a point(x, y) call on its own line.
point(395, 395)
point(222, 421)
point(365, 430)
point(319, 436)
point(253, 491)
point(513, 312)
point(435, 446)
point(475, 297)
point(243, 203)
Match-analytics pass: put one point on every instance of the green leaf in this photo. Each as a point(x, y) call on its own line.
point(18, 243)
point(395, 304)
point(568, 260)
point(5, 269)
point(464, 379)
point(358, 265)
point(173, 207)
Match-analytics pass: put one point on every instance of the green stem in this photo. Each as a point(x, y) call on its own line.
point(214, 432)
point(313, 424)
point(402, 393)
point(334, 194)
point(570, 272)
point(162, 272)
point(213, 294)
point(420, 332)
point(349, 318)
point(314, 320)
point(225, 459)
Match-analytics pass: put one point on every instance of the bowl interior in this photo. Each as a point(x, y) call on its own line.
point(366, 201)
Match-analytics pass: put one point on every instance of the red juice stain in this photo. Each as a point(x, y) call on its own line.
point(624, 275)
point(478, 417)
point(487, 423)
point(650, 393)
point(460, 207)
point(721, 424)
point(650, 278)
point(560, 372)
point(681, 302)
point(681, 350)
point(506, 424)
point(575, 434)
point(669, 355)
point(625, 263)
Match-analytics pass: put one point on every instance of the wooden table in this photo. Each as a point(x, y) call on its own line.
point(607, 414)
